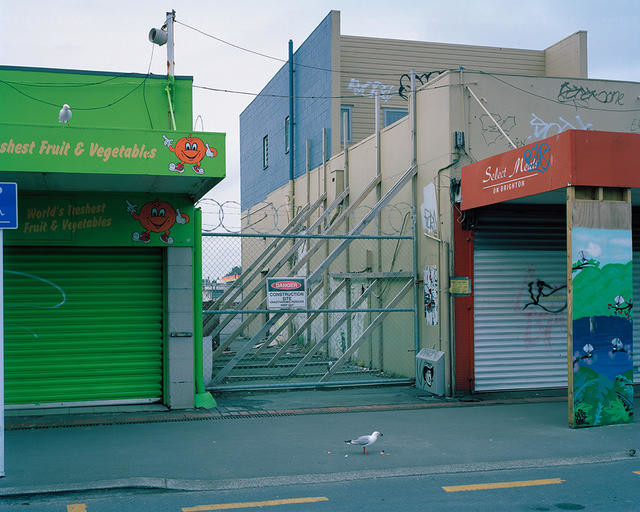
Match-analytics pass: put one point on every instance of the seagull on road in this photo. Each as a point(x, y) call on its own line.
point(365, 441)
point(65, 114)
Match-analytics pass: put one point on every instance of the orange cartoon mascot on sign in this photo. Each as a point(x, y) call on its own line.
point(189, 150)
point(156, 217)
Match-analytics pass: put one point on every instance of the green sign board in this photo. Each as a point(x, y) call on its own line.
point(100, 219)
point(67, 149)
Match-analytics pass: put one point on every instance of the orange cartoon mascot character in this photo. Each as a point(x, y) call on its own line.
point(190, 150)
point(156, 217)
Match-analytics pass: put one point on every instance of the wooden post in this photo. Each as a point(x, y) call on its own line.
point(571, 196)
point(599, 306)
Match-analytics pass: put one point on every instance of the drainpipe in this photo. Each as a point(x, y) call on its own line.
point(414, 197)
point(292, 186)
point(444, 290)
point(308, 169)
point(203, 398)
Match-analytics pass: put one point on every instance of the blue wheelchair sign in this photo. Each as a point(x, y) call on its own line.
point(8, 206)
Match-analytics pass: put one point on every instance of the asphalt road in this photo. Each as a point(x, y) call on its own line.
point(594, 487)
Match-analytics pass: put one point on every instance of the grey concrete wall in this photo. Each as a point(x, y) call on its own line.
point(179, 345)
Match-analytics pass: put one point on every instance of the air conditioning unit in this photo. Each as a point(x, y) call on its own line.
point(430, 371)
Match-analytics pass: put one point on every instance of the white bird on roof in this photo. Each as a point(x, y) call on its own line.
point(365, 441)
point(65, 114)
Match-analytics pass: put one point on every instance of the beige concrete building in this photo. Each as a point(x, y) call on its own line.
point(470, 103)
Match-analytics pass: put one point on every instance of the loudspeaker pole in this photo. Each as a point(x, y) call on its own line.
point(171, 16)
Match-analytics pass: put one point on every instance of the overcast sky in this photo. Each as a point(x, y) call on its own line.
point(112, 36)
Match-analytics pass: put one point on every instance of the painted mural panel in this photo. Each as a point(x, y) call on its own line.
point(602, 327)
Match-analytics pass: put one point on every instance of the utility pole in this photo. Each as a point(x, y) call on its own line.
point(161, 36)
point(171, 67)
point(171, 16)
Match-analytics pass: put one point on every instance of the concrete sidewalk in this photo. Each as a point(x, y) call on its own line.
point(247, 443)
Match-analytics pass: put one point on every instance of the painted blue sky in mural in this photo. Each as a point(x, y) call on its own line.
point(612, 246)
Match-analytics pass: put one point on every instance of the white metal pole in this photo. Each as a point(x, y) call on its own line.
point(1, 353)
point(170, 58)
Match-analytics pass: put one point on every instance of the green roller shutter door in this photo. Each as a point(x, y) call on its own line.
point(83, 324)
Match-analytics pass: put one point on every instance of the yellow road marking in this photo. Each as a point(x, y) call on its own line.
point(253, 504)
point(502, 485)
point(77, 507)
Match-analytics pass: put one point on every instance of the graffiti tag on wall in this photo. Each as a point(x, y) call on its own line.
point(538, 158)
point(574, 93)
point(368, 89)
point(489, 130)
point(429, 210)
point(405, 82)
point(543, 129)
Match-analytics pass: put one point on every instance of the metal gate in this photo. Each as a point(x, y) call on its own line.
point(358, 326)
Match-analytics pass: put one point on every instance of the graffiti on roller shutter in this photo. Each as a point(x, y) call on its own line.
point(543, 305)
point(35, 298)
point(539, 292)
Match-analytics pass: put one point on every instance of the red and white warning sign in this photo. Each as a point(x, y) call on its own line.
point(286, 293)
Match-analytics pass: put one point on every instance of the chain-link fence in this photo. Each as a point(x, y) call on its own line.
point(340, 310)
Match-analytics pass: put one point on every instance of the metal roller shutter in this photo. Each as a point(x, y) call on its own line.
point(83, 325)
point(518, 348)
point(520, 316)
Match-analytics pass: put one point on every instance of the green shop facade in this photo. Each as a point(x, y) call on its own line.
point(102, 278)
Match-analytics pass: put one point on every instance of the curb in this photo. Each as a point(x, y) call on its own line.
point(176, 484)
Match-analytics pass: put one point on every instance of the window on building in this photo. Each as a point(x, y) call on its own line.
point(391, 115)
point(265, 152)
point(345, 110)
point(287, 134)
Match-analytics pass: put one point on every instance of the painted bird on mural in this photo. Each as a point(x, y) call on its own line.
point(365, 441)
point(64, 116)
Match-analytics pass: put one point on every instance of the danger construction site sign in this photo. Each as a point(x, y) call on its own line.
point(286, 293)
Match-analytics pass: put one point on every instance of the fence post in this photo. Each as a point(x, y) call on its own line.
point(379, 300)
point(416, 288)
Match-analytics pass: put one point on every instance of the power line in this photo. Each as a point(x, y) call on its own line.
point(40, 100)
point(278, 59)
point(565, 103)
point(144, 87)
point(228, 43)
point(375, 74)
point(64, 85)
point(283, 96)
point(118, 100)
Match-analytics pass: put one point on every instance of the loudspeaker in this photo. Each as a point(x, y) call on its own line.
point(157, 36)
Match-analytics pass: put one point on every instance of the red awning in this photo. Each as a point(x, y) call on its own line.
point(572, 158)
